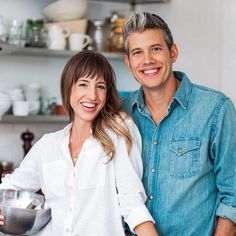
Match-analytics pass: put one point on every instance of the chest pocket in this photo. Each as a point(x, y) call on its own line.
point(184, 157)
point(53, 177)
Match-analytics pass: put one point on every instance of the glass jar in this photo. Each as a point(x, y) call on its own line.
point(116, 43)
point(98, 35)
point(35, 33)
point(6, 167)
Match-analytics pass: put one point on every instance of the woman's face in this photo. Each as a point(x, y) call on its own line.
point(88, 97)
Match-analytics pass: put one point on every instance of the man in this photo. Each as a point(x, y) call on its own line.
point(189, 137)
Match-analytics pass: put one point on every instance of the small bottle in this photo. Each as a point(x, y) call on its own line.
point(27, 138)
point(116, 43)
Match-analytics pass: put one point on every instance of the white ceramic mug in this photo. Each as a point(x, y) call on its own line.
point(20, 108)
point(78, 41)
point(57, 37)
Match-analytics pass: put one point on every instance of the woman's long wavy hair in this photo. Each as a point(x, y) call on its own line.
point(92, 64)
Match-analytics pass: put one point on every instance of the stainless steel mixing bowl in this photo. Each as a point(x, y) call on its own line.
point(25, 212)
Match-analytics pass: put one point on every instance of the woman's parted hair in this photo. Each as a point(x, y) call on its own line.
point(92, 64)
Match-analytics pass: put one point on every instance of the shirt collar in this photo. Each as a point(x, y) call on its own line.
point(138, 100)
point(181, 96)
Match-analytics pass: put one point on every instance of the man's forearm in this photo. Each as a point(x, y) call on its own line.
point(225, 227)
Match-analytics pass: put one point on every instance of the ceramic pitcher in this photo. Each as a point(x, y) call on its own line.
point(57, 37)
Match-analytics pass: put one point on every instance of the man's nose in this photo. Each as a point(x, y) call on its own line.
point(148, 58)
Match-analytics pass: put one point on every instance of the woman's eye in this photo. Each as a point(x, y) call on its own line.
point(101, 87)
point(82, 85)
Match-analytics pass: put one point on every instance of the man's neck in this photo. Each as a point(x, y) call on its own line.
point(158, 101)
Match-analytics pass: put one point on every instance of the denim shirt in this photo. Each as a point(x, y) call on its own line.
point(189, 159)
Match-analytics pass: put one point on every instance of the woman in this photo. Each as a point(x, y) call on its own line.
point(86, 171)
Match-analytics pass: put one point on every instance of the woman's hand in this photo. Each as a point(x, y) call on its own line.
point(1, 220)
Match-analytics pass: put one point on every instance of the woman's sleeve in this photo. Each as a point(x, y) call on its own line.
point(26, 175)
point(130, 191)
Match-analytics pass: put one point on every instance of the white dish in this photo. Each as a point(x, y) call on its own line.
point(64, 10)
point(74, 26)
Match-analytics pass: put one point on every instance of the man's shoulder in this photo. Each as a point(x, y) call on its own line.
point(129, 100)
point(207, 93)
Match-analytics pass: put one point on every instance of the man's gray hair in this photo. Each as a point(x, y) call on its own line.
point(140, 21)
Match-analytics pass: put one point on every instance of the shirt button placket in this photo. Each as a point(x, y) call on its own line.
point(153, 170)
point(151, 197)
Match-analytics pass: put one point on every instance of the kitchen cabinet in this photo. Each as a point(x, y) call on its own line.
point(59, 55)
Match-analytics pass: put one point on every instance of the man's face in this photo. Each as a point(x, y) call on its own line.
point(149, 59)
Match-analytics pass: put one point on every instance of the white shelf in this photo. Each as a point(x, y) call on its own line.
point(132, 1)
point(44, 52)
point(10, 119)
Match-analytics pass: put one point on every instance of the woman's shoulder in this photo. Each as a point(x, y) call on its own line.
point(123, 117)
point(126, 120)
point(56, 135)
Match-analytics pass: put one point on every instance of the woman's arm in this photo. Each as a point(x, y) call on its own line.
point(146, 228)
point(26, 175)
point(130, 192)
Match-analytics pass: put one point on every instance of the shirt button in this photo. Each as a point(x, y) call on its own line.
point(153, 170)
point(67, 230)
point(70, 209)
point(155, 142)
point(180, 150)
point(151, 197)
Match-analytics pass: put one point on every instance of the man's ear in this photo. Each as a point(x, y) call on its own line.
point(174, 53)
point(127, 61)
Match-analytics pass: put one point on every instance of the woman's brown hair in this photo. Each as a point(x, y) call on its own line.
point(92, 64)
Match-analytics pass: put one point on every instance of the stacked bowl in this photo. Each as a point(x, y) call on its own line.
point(25, 212)
point(5, 103)
point(65, 10)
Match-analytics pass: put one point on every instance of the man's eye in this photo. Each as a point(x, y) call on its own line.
point(136, 53)
point(156, 49)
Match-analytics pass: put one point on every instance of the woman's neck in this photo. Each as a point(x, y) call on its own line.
point(78, 134)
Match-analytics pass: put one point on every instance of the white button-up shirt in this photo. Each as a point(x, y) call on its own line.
point(91, 197)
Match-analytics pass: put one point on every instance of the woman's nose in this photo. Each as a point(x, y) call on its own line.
point(92, 93)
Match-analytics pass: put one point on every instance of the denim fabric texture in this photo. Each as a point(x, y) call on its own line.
point(189, 159)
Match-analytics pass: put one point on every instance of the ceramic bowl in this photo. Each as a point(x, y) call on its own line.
point(65, 10)
point(5, 103)
point(25, 212)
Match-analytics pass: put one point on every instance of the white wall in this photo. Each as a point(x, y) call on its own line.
point(228, 44)
point(196, 28)
point(204, 30)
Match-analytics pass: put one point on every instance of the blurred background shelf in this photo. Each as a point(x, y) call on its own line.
point(44, 52)
point(132, 1)
point(10, 119)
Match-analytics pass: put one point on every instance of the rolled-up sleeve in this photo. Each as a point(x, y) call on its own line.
point(26, 175)
point(130, 191)
point(224, 152)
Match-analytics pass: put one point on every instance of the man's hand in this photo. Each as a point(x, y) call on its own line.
point(225, 227)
